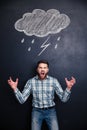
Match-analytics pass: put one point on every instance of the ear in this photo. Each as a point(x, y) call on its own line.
point(48, 69)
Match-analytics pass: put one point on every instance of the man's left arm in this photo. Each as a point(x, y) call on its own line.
point(64, 95)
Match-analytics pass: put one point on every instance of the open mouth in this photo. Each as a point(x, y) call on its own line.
point(42, 73)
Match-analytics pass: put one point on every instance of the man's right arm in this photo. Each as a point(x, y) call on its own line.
point(21, 96)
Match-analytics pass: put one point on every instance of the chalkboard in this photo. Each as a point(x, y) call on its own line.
point(55, 30)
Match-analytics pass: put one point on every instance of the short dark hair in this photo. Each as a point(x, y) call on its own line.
point(42, 61)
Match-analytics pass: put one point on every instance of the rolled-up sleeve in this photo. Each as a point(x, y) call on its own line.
point(64, 95)
point(22, 96)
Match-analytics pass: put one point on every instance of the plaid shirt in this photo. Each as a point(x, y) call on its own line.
point(42, 91)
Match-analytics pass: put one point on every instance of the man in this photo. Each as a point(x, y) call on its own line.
point(42, 87)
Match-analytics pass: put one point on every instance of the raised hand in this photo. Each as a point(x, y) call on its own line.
point(70, 83)
point(13, 84)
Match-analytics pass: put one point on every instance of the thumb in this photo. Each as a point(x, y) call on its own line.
point(17, 80)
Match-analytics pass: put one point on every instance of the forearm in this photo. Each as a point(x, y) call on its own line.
point(21, 97)
point(66, 95)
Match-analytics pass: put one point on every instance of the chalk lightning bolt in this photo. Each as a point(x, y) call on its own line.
point(44, 46)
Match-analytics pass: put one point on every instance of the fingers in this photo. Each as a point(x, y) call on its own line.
point(10, 80)
point(73, 79)
point(66, 79)
point(17, 80)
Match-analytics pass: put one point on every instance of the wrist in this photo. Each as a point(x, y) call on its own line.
point(14, 88)
point(69, 88)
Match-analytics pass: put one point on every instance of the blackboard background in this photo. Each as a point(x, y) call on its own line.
point(70, 58)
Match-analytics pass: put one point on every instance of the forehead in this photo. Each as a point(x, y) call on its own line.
point(42, 65)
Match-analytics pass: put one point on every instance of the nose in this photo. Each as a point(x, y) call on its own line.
point(42, 68)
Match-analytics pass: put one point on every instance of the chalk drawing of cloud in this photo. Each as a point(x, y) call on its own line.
point(41, 23)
